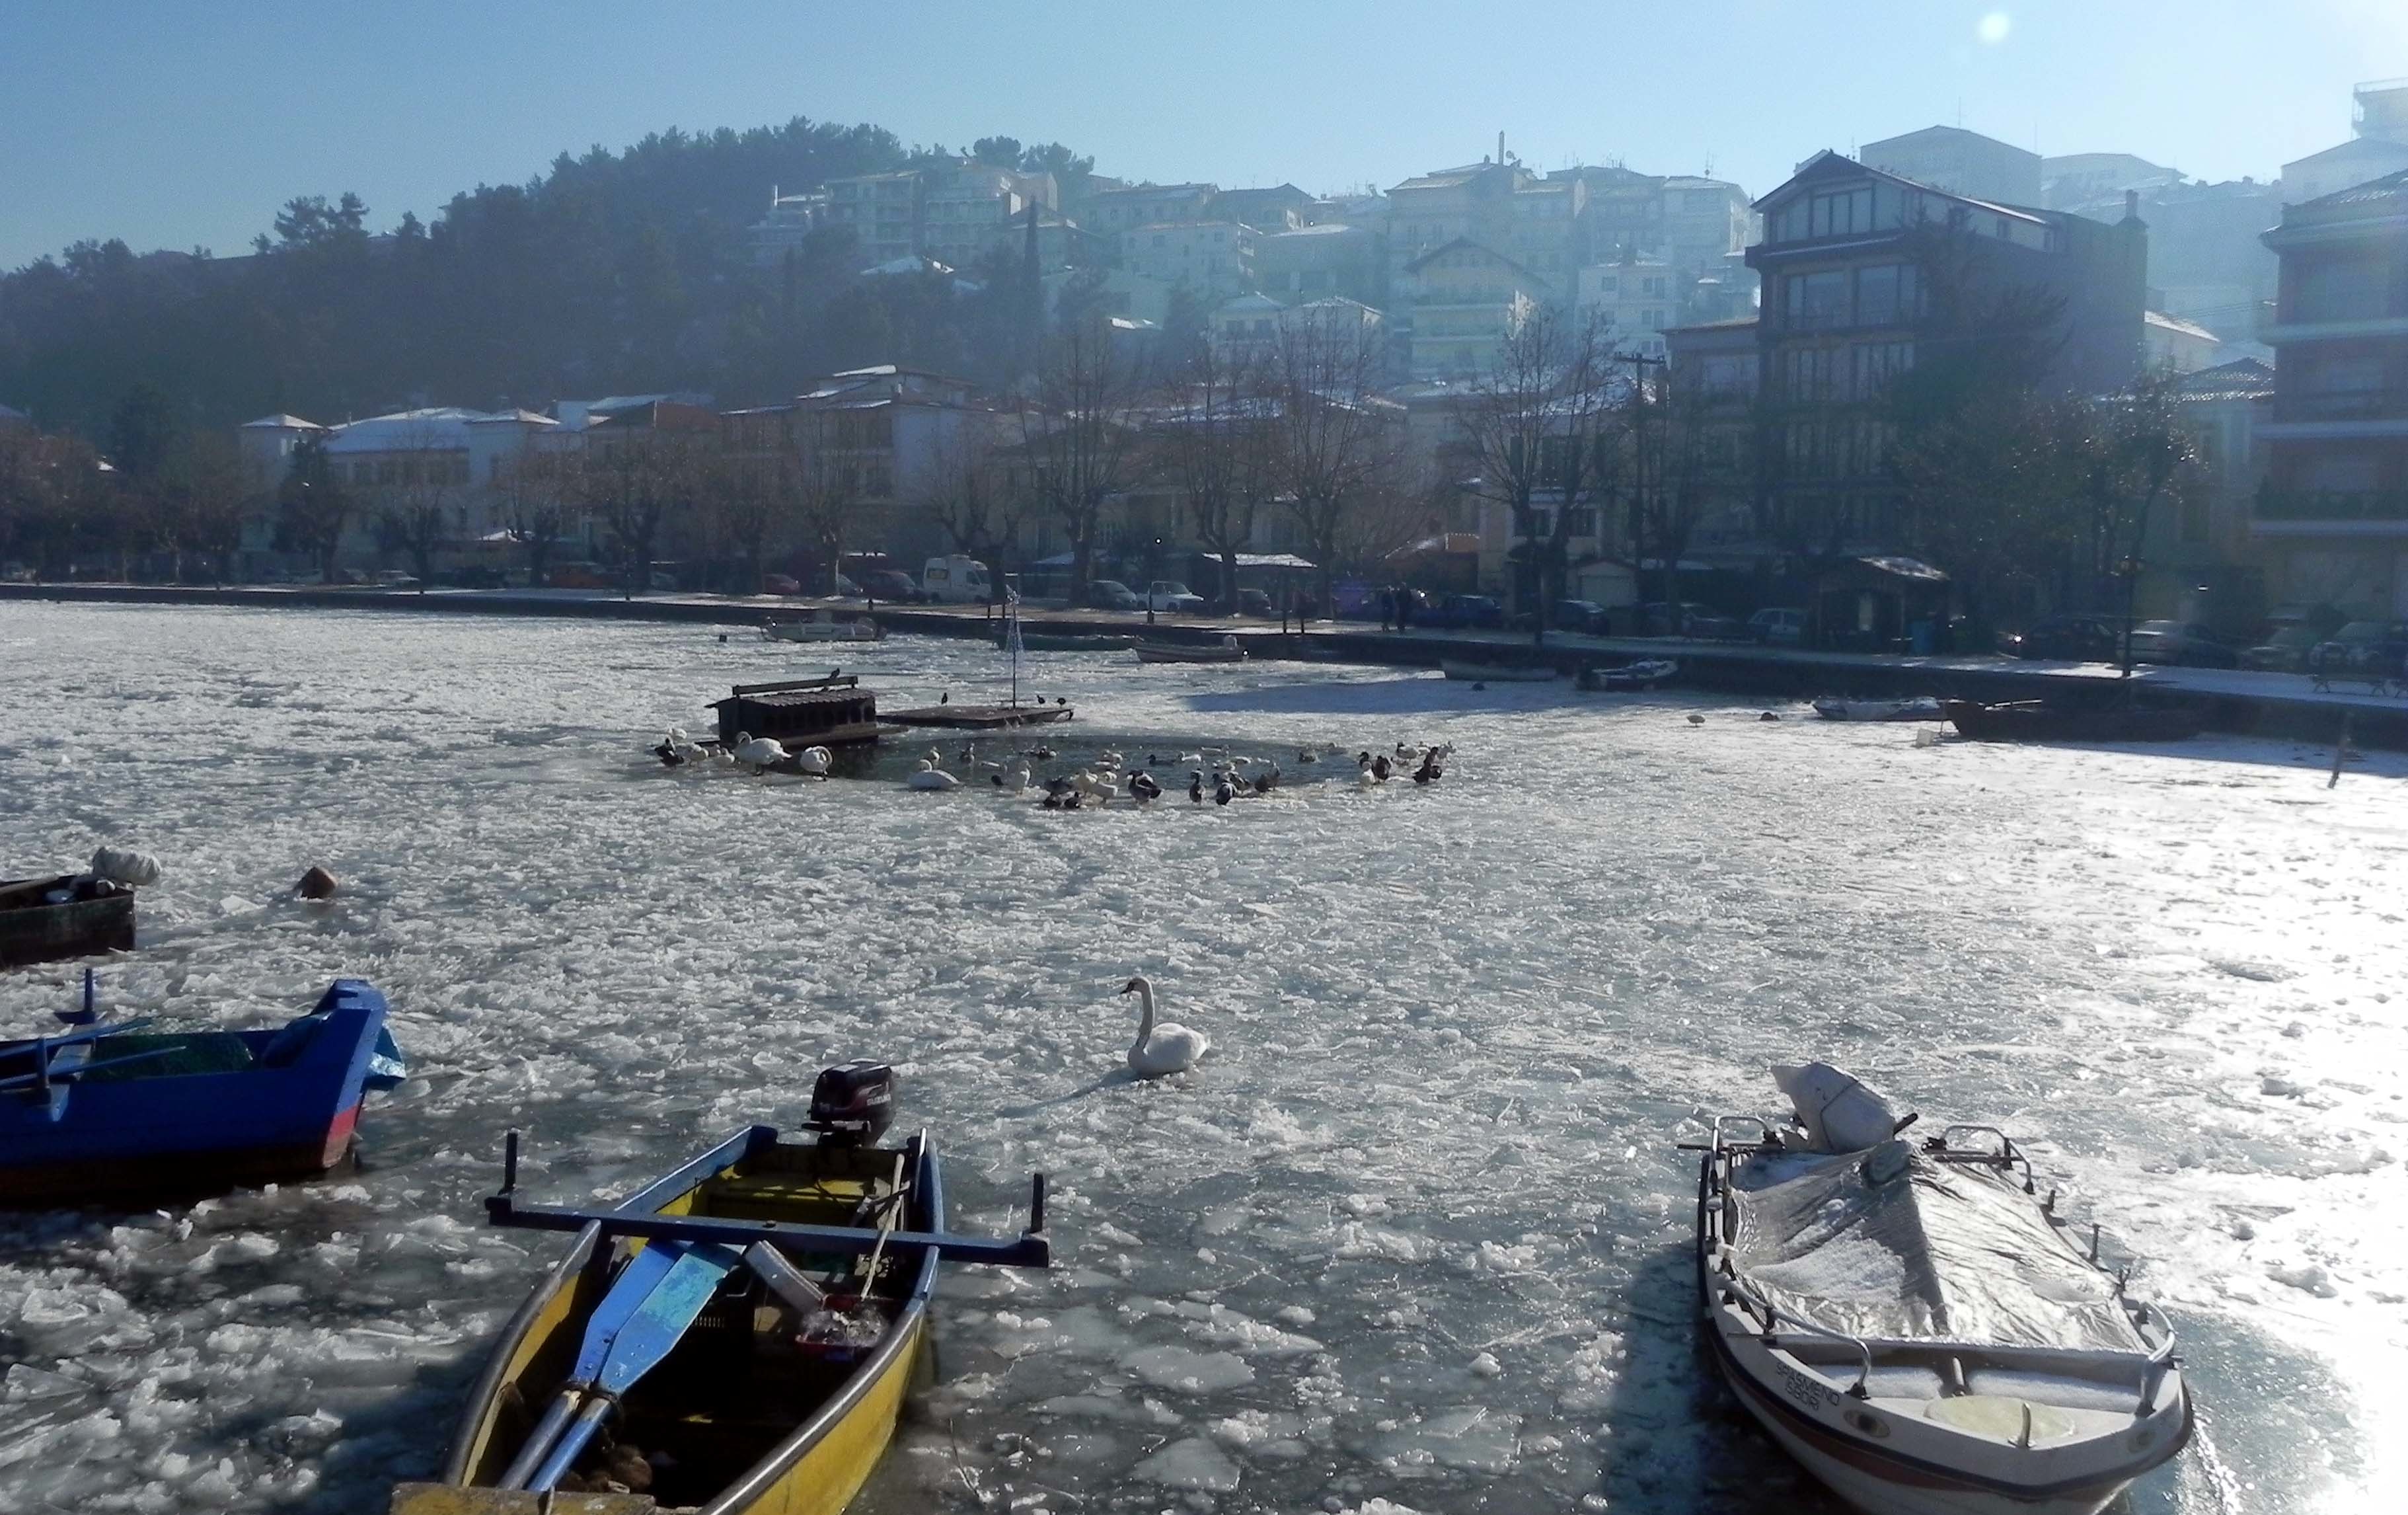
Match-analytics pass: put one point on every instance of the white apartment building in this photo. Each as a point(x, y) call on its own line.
point(791, 218)
point(1213, 257)
point(1311, 263)
point(1641, 296)
point(1465, 300)
point(1117, 210)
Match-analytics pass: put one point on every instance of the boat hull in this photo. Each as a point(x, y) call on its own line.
point(1880, 710)
point(1149, 651)
point(1497, 673)
point(31, 931)
point(293, 1113)
point(2030, 721)
point(811, 1463)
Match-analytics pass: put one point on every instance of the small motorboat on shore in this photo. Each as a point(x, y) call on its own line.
point(1464, 670)
point(823, 626)
point(744, 1331)
point(118, 1113)
point(1923, 709)
point(1645, 673)
point(1224, 651)
point(2035, 720)
point(1909, 1323)
point(70, 916)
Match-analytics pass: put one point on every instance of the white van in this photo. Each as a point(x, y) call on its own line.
point(956, 581)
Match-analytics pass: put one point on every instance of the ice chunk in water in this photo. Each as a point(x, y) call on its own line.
point(1192, 1463)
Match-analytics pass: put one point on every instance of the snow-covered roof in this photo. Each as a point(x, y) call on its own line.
point(908, 264)
point(440, 428)
point(2178, 325)
point(279, 422)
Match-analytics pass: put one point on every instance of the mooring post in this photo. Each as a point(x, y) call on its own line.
point(2341, 750)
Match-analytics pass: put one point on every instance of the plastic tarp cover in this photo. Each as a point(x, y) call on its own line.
point(1939, 1252)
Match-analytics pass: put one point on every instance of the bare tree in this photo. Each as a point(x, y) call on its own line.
point(1081, 438)
point(314, 506)
point(537, 492)
point(818, 487)
point(414, 516)
point(1543, 427)
point(1212, 437)
point(746, 507)
point(978, 492)
point(637, 482)
point(205, 490)
point(1332, 435)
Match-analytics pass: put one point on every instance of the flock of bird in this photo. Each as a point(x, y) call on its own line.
point(1212, 772)
point(759, 754)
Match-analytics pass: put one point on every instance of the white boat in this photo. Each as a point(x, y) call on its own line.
point(1909, 1323)
point(1225, 651)
point(825, 627)
point(1645, 673)
point(1924, 709)
point(1496, 672)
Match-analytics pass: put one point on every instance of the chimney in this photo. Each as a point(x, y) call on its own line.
point(2131, 205)
point(1501, 150)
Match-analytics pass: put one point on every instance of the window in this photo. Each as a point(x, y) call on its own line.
point(1841, 214)
point(1818, 300)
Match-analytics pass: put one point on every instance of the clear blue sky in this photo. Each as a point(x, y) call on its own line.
point(177, 125)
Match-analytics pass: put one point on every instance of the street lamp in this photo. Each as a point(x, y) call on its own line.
point(2128, 570)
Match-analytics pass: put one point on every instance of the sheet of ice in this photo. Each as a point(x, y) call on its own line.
point(1456, 1032)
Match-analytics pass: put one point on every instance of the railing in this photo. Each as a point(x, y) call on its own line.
point(2331, 505)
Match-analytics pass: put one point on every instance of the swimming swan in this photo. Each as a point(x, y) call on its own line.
point(1166, 1048)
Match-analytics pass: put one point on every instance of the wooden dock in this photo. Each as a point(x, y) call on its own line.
point(980, 717)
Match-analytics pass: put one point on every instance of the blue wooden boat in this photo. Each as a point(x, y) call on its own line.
point(118, 1113)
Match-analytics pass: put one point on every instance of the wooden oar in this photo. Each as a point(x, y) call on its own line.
point(650, 1334)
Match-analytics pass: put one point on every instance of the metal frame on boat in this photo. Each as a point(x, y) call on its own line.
point(1924, 1425)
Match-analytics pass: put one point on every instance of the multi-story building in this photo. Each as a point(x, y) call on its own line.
point(1960, 162)
point(2078, 180)
point(791, 218)
point(1641, 296)
point(1463, 300)
point(2332, 518)
point(967, 208)
point(1280, 207)
point(2180, 346)
point(1711, 400)
point(1214, 258)
point(1473, 203)
point(1113, 212)
point(1315, 262)
point(2197, 562)
point(1249, 327)
point(882, 210)
point(1848, 301)
point(1705, 220)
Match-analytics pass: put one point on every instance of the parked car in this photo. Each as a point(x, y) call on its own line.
point(2361, 650)
point(394, 579)
point(846, 588)
point(1250, 602)
point(2188, 643)
point(2284, 652)
point(1113, 594)
point(895, 585)
point(1582, 615)
point(1170, 596)
point(1464, 613)
point(955, 580)
point(2074, 638)
point(1690, 618)
point(1778, 626)
point(780, 584)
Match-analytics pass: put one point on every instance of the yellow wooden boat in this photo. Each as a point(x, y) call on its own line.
point(803, 1272)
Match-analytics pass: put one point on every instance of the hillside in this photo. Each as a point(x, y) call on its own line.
point(608, 273)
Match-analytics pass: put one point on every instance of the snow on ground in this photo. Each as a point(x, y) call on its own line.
point(1412, 1236)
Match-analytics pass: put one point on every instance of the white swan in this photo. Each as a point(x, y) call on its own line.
point(931, 777)
point(815, 761)
point(1016, 784)
point(1166, 1048)
point(761, 752)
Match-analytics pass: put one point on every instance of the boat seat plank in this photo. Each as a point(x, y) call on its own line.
point(1901, 1381)
point(2062, 1390)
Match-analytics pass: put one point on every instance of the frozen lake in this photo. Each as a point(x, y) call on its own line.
point(1416, 1232)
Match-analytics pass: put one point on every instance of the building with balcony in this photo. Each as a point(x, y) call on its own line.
point(1960, 162)
point(1320, 261)
point(1214, 258)
point(1465, 300)
point(882, 210)
point(2332, 518)
point(1859, 268)
point(1113, 212)
point(1641, 296)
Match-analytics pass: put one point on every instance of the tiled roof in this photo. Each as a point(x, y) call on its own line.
point(2242, 379)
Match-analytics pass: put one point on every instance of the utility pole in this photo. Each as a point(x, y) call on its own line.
point(1640, 363)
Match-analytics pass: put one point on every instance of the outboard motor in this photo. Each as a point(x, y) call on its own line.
point(853, 1103)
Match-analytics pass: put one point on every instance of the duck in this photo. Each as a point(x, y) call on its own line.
point(1016, 784)
point(1266, 782)
point(760, 754)
point(1196, 787)
point(1697, 720)
point(1409, 754)
point(1142, 786)
point(1429, 772)
point(1382, 767)
point(1223, 792)
point(1190, 759)
point(815, 761)
point(1165, 1049)
point(931, 777)
point(676, 749)
point(1306, 755)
